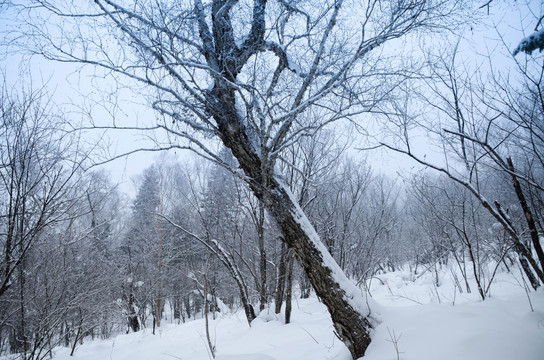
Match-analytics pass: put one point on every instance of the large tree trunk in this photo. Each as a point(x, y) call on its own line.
point(533, 231)
point(343, 299)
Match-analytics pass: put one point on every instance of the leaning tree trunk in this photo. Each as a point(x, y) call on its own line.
point(227, 58)
point(531, 224)
point(343, 299)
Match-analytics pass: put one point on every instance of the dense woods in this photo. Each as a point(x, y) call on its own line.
point(104, 264)
point(274, 196)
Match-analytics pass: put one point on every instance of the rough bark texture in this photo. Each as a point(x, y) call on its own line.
point(350, 325)
point(528, 272)
point(527, 212)
point(289, 290)
point(228, 58)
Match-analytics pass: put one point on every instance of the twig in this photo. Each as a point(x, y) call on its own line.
point(394, 339)
point(307, 332)
point(175, 357)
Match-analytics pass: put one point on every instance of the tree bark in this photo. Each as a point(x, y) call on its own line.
point(528, 272)
point(349, 322)
point(282, 272)
point(262, 262)
point(527, 212)
point(176, 304)
point(305, 287)
point(342, 298)
point(329, 282)
point(132, 316)
point(206, 311)
point(289, 290)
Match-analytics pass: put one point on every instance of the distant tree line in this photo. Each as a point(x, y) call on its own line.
point(82, 261)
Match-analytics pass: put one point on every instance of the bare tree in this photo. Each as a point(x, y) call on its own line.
point(43, 285)
point(214, 219)
point(37, 171)
point(459, 228)
point(244, 73)
point(485, 124)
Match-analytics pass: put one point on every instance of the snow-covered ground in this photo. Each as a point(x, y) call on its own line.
point(422, 321)
point(453, 326)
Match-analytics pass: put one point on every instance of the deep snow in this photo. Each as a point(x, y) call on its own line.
point(425, 321)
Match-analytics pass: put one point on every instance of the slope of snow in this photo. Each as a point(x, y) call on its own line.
point(494, 329)
point(424, 321)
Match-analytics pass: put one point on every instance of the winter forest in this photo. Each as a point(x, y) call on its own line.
point(329, 179)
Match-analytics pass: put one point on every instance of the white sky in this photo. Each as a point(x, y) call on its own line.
point(73, 87)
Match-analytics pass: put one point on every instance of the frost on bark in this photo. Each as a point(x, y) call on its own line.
point(349, 319)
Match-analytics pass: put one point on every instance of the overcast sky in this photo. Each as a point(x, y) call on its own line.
point(76, 90)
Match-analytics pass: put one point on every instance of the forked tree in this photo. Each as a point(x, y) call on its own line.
point(256, 75)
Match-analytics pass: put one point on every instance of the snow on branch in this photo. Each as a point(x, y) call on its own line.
point(531, 43)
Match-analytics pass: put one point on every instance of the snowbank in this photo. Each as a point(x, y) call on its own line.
point(423, 321)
